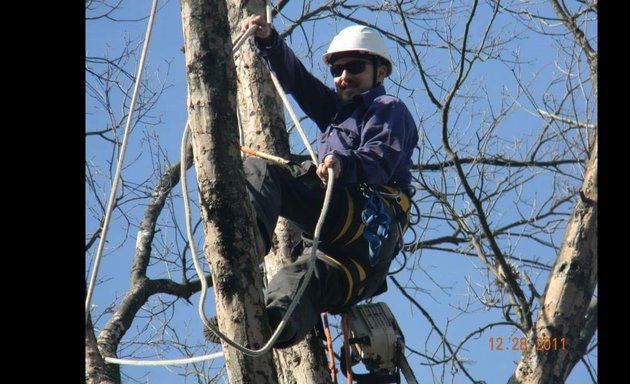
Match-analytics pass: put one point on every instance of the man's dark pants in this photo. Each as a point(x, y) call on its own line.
point(343, 275)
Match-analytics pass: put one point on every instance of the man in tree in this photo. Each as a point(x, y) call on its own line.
point(367, 138)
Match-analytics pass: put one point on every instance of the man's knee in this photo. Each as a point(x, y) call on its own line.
point(255, 169)
point(282, 291)
point(289, 335)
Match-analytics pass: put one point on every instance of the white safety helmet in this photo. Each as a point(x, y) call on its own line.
point(359, 39)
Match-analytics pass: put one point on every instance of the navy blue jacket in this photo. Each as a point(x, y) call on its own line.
point(373, 136)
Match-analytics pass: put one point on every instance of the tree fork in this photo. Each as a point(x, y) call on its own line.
point(262, 119)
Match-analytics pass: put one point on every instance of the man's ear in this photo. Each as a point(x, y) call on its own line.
point(381, 71)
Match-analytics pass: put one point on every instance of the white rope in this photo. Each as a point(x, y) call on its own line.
point(237, 45)
point(285, 99)
point(294, 117)
point(198, 269)
point(268, 12)
point(204, 284)
point(311, 263)
point(121, 160)
point(190, 360)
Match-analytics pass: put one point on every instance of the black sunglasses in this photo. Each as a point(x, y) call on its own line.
point(354, 67)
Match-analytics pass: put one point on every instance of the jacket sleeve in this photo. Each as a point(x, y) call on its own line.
point(385, 135)
point(313, 96)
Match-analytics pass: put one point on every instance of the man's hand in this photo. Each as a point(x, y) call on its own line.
point(330, 161)
point(264, 29)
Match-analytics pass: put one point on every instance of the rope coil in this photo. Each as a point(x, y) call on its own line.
point(204, 286)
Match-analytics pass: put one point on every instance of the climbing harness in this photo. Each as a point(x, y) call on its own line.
point(377, 217)
point(377, 222)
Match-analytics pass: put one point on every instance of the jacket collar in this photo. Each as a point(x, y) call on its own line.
point(363, 101)
point(366, 98)
point(369, 95)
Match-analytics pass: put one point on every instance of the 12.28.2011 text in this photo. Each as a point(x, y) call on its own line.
point(521, 344)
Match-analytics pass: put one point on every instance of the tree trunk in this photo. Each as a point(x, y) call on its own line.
point(568, 295)
point(262, 120)
point(96, 370)
point(226, 212)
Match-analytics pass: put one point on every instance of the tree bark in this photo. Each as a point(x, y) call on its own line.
point(262, 120)
point(569, 309)
point(568, 295)
point(226, 212)
point(96, 370)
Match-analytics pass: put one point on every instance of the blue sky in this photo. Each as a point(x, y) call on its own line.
point(444, 278)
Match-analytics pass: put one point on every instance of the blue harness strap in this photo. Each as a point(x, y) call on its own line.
point(377, 222)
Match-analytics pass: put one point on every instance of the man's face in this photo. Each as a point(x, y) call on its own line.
point(350, 84)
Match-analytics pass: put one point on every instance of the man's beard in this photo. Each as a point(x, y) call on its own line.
point(348, 93)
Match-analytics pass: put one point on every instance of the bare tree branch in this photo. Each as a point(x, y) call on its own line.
point(496, 161)
point(446, 343)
